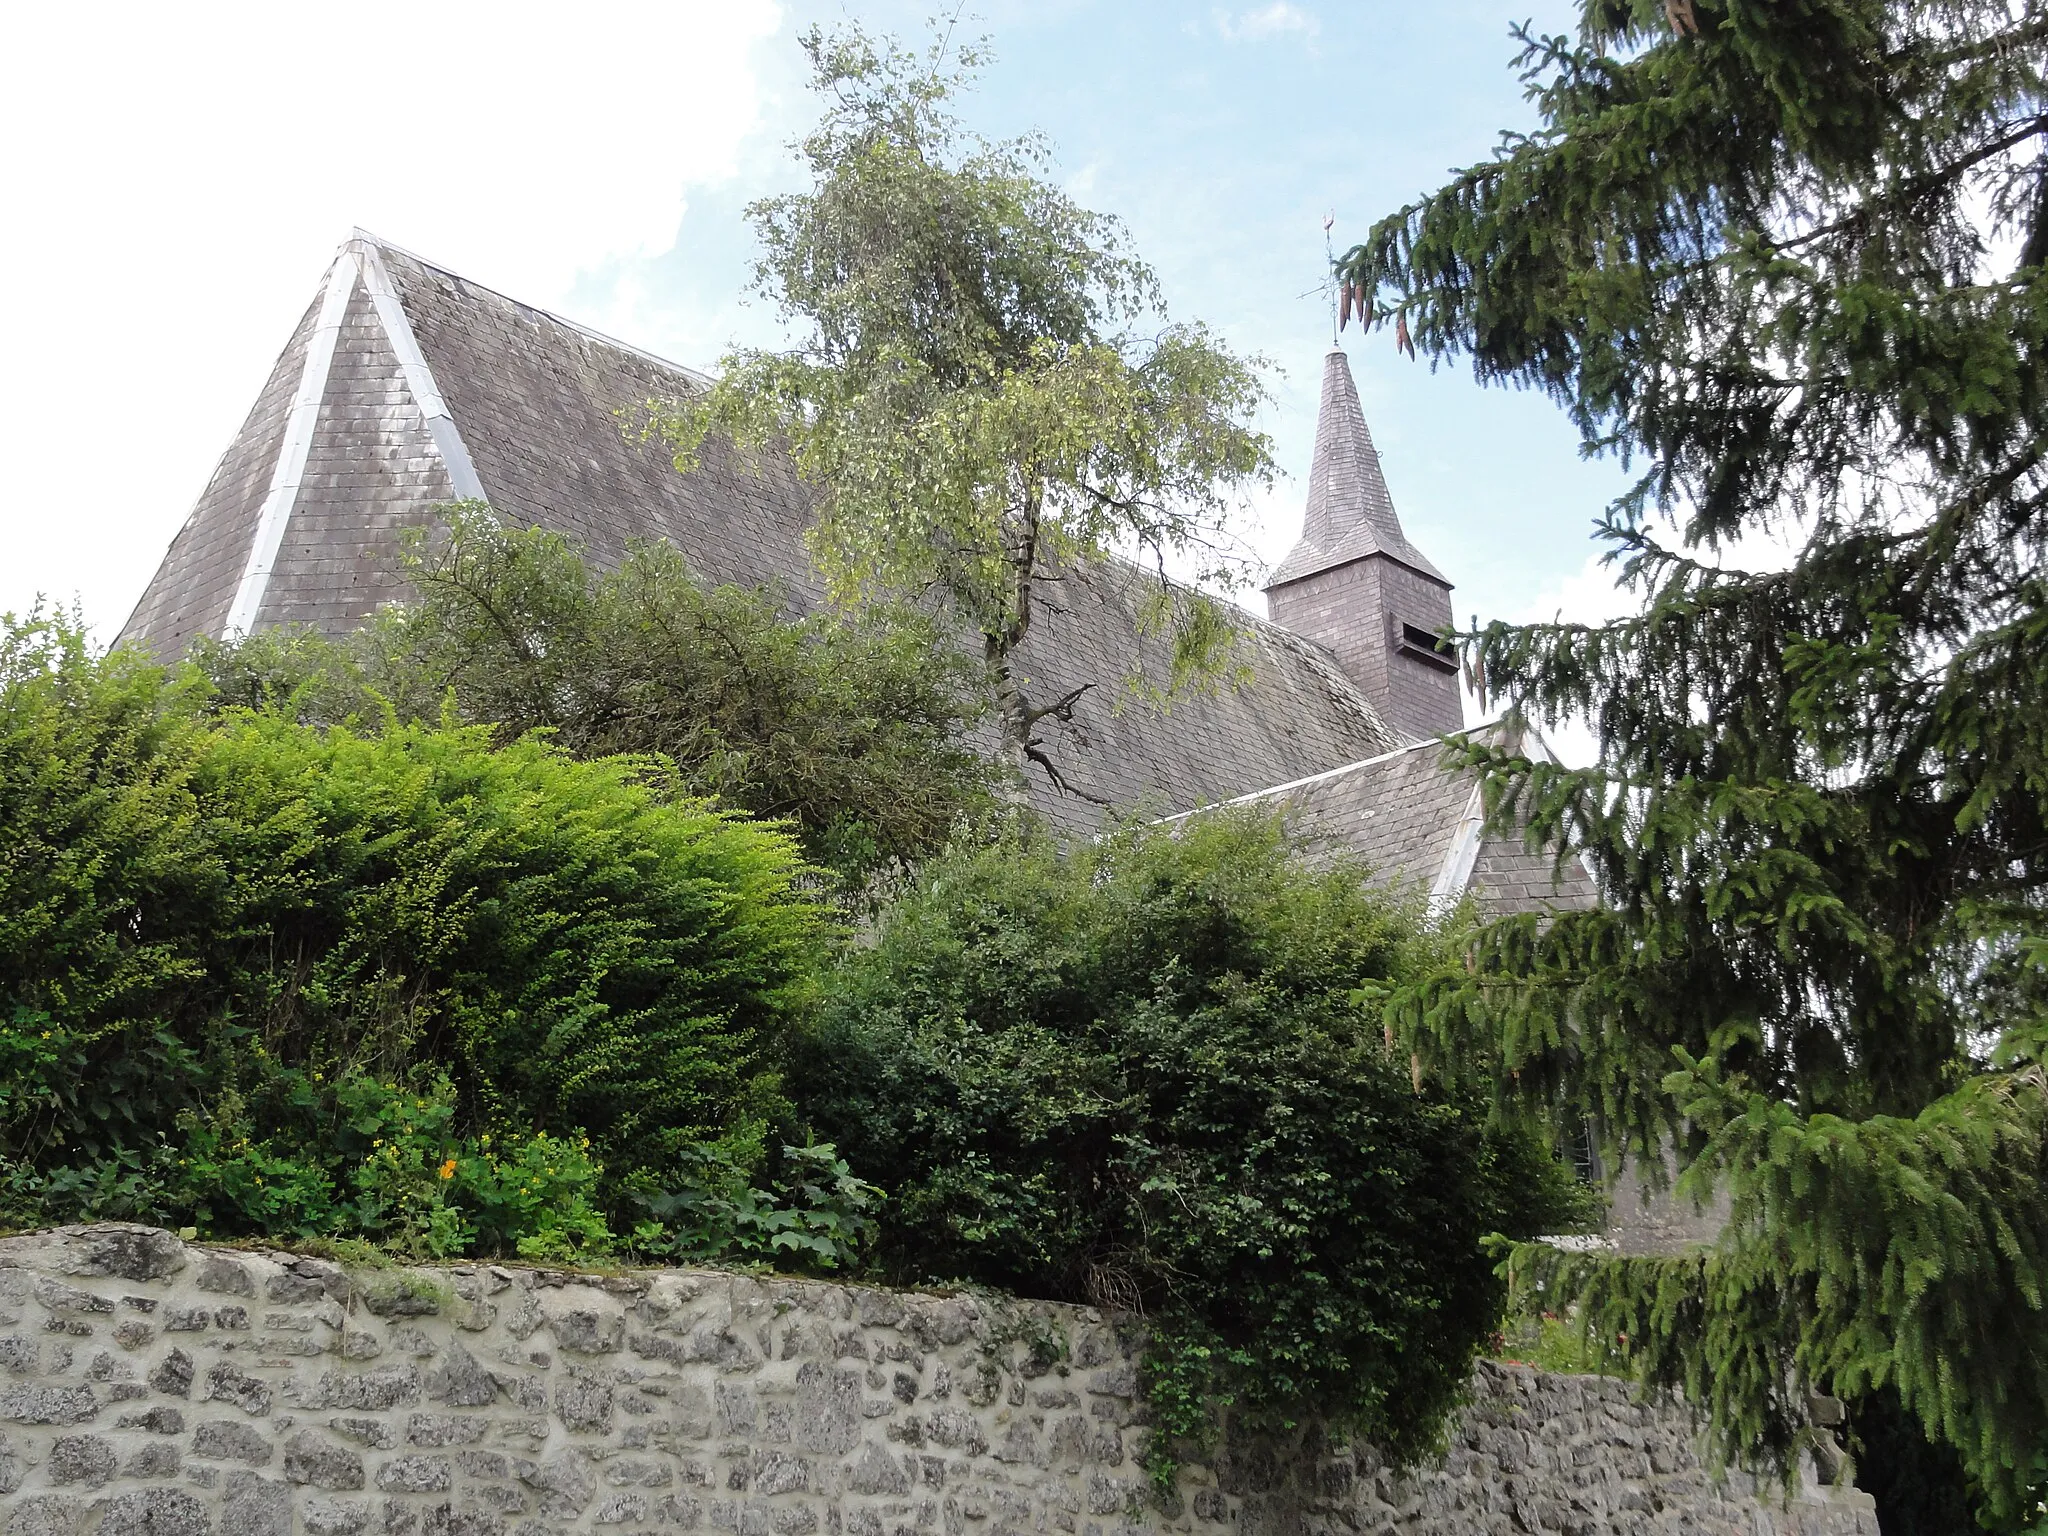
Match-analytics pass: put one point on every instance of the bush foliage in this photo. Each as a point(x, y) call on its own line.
point(852, 728)
point(1150, 1074)
point(277, 979)
point(458, 993)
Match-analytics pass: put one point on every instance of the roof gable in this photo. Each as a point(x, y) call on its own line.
point(1420, 827)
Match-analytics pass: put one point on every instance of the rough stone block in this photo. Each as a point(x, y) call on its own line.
point(173, 1375)
point(125, 1253)
point(158, 1460)
point(224, 1275)
point(584, 1401)
point(335, 1517)
point(85, 1459)
point(231, 1440)
point(416, 1474)
point(226, 1384)
point(151, 1512)
point(460, 1381)
point(310, 1459)
point(48, 1405)
point(385, 1386)
point(256, 1506)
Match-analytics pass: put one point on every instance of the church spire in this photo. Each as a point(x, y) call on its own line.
point(1350, 515)
point(1356, 586)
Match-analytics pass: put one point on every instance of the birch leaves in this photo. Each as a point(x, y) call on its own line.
point(983, 389)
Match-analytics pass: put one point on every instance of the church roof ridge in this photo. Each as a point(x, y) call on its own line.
point(424, 370)
point(392, 248)
point(1252, 797)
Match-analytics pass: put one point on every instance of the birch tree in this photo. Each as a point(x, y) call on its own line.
point(982, 388)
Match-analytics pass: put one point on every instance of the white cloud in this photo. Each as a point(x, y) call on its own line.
point(1262, 22)
point(176, 178)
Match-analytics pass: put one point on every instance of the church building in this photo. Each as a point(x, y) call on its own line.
point(406, 385)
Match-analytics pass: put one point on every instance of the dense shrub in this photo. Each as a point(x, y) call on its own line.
point(1151, 1074)
point(260, 976)
point(279, 979)
point(852, 728)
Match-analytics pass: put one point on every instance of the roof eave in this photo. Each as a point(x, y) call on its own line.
point(1338, 563)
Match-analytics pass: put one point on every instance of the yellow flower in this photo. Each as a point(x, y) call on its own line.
point(448, 1169)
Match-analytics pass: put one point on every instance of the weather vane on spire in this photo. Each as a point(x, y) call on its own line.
point(1330, 277)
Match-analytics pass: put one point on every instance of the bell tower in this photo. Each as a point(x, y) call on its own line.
point(1357, 587)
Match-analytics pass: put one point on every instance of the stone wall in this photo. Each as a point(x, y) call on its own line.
point(148, 1386)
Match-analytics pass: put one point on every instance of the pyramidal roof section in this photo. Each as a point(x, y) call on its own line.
point(405, 385)
point(1350, 515)
point(351, 418)
point(359, 266)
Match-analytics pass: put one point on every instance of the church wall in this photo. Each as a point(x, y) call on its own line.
point(148, 1385)
point(1422, 700)
point(1331, 608)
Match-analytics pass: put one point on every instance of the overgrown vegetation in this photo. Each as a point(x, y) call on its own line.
point(1792, 259)
point(1150, 1074)
point(853, 728)
point(447, 993)
point(261, 977)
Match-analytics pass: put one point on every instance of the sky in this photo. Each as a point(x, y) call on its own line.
point(176, 179)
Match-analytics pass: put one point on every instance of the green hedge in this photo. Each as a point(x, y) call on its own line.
point(270, 978)
point(244, 961)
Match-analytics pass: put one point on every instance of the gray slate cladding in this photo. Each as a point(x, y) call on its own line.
point(379, 410)
point(508, 1401)
point(1355, 585)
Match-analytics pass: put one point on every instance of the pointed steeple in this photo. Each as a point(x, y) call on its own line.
point(1350, 515)
point(1356, 586)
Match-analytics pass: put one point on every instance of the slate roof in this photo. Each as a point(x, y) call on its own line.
point(405, 384)
point(1350, 512)
point(1420, 827)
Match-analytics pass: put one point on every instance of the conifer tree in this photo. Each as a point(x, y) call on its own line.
point(1787, 261)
